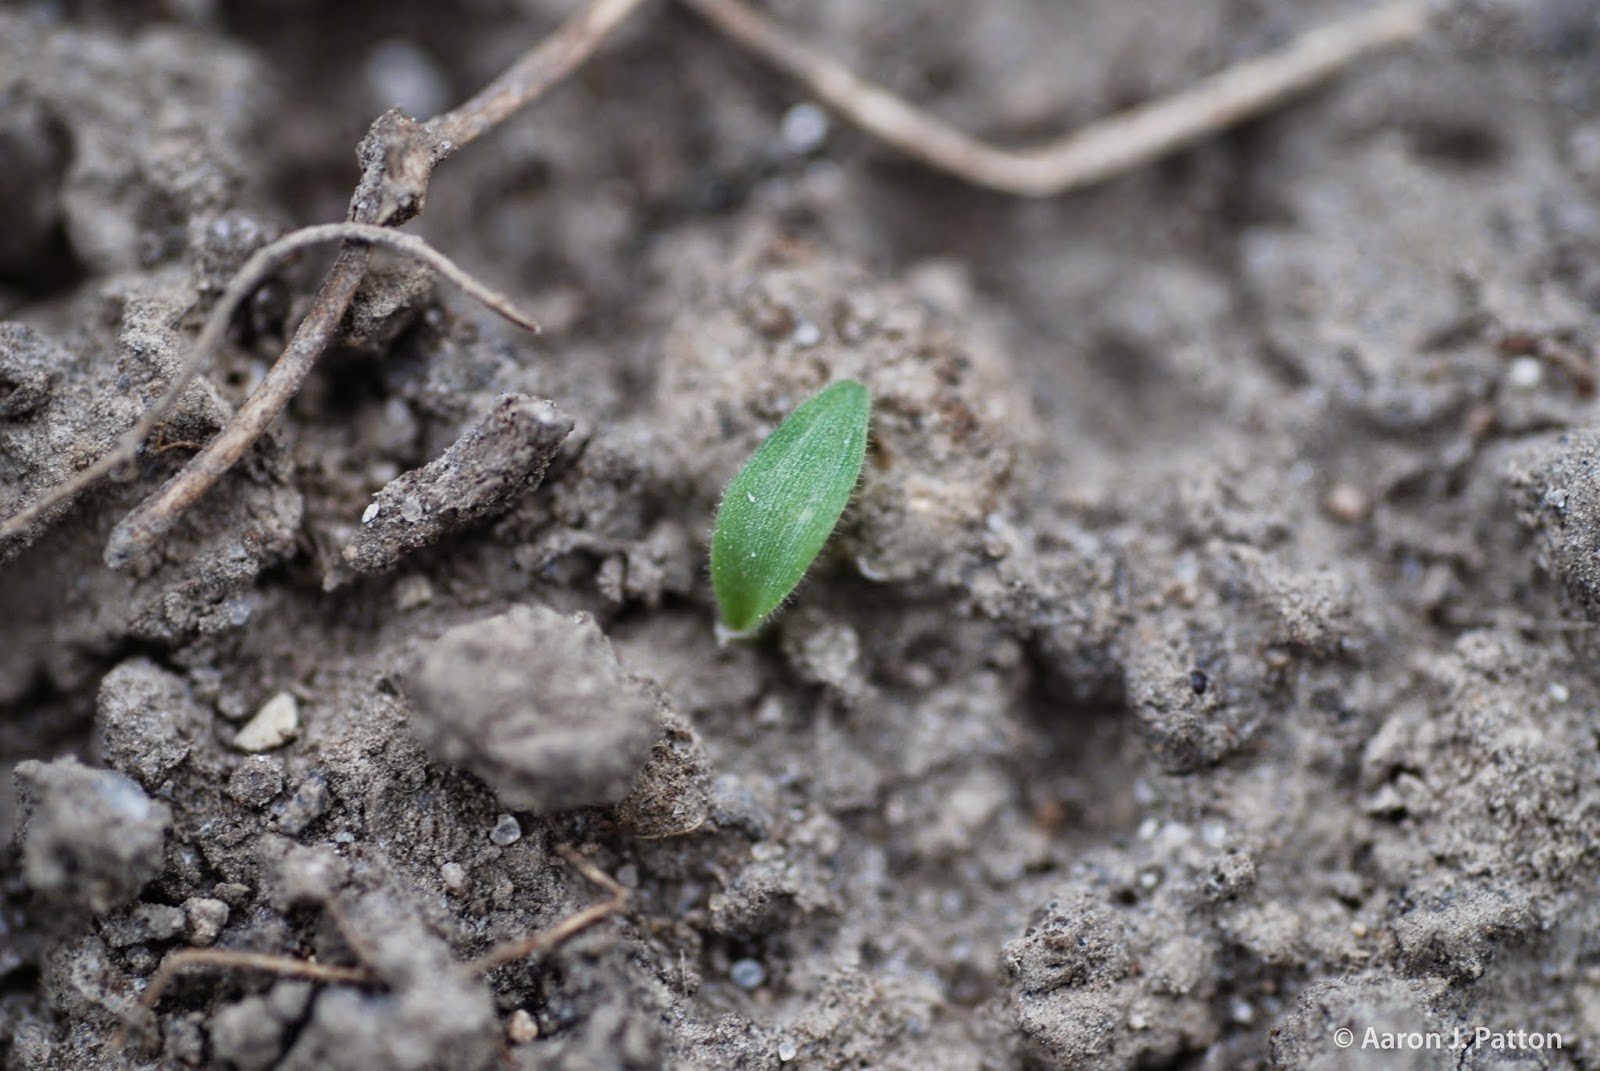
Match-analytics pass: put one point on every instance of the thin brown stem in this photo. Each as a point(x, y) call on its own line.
point(156, 515)
point(229, 959)
point(1102, 150)
point(526, 80)
point(573, 924)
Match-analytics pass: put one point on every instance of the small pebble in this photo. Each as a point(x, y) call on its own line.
point(275, 724)
point(205, 917)
point(521, 1027)
point(257, 781)
point(787, 1050)
point(1559, 692)
point(747, 973)
point(1525, 373)
point(806, 334)
point(506, 832)
point(1346, 503)
point(804, 128)
point(370, 514)
point(454, 876)
point(309, 803)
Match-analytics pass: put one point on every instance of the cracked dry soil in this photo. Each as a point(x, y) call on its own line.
point(1206, 666)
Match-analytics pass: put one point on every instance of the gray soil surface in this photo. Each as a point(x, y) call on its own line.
point(1206, 666)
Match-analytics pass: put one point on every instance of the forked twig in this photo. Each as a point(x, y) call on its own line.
point(573, 924)
point(1096, 152)
point(399, 157)
point(156, 515)
point(232, 959)
point(184, 958)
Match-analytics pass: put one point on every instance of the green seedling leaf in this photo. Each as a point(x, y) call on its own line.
point(779, 511)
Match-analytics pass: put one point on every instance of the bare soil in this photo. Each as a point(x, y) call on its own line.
point(1206, 666)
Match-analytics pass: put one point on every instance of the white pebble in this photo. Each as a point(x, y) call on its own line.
point(1525, 373)
point(370, 514)
point(521, 1027)
point(804, 128)
point(454, 876)
point(275, 724)
point(747, 973)
point(806, 334)
point(506, 832)
point(787, 1050)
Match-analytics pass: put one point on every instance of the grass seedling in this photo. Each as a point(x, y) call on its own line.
point(779, 511)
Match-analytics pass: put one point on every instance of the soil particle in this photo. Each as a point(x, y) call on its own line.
point(256, 781)
point(535, 702)
point(503, 455)
point(147, 721)
point(1555, 482)
point(90, 838)
point(1082, 1003)
point(205, 917)
point(249, 1033)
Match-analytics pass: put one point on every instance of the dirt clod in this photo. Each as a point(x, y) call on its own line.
point(90, 838)
point(534, 702)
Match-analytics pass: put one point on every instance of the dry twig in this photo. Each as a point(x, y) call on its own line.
point(1097, 152)
point(231, 959)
